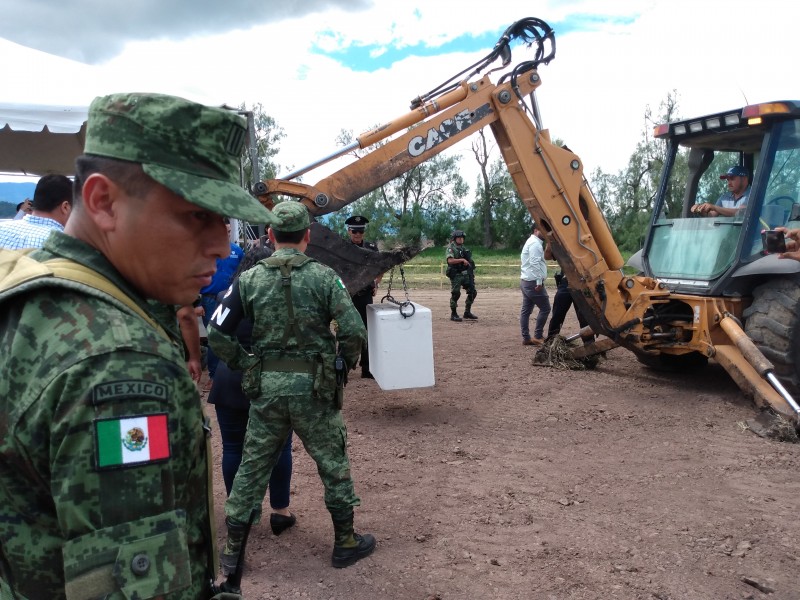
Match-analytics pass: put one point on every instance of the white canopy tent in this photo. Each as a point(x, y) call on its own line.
point(39, 139)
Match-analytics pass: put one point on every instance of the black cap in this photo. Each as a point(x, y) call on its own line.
point(356, 223)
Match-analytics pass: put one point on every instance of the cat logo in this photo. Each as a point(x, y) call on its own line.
point(447, 129)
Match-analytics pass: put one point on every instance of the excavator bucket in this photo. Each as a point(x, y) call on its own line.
point(357, 267)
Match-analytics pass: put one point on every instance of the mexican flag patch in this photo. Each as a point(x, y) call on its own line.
point(129, 441)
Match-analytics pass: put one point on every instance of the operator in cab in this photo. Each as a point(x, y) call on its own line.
point(731, 202)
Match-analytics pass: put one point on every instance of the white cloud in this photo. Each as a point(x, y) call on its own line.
point(713, 52)
point(93, 31)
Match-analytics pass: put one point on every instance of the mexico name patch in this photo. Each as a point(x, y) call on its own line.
point(131, 441)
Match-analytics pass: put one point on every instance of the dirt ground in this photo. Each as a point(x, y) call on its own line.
point(512, 481)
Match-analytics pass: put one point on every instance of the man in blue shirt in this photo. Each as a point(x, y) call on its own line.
point(52, 203)
point(226, 267)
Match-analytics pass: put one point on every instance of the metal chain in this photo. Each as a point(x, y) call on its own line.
point(407, 308)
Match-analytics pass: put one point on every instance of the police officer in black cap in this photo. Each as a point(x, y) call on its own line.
point(356, 225)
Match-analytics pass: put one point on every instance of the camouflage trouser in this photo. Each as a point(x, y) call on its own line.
point(320, 427)
point(457, 281)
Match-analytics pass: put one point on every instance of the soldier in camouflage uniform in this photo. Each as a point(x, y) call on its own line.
point(104, 482)
point(461, 271)
point(291, 378)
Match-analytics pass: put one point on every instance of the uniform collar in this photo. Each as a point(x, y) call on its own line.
point(65, 246)
point(285, 251)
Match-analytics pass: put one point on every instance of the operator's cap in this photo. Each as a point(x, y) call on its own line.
point(289, 216)
point(191, 149)
point(357, 223)
point(735, 171)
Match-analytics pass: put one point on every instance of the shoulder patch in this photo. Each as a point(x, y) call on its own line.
point(339, 282)
point(138, 440)
point(129, 388)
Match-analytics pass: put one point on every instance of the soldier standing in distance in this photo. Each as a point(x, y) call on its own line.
point(461, 271)
point(356, 226)
point(104, 481)
point(290, 378)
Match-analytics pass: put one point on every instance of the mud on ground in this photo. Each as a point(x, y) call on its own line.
point(512, 481)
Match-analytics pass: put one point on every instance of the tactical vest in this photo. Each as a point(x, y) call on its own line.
point(320, 367)
point(20, 273)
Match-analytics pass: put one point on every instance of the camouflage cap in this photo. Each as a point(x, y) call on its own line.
point(193, 150)
point(289, 216)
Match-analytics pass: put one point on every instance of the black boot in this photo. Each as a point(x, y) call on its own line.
point(280, 523)
point(230, 557)
point(349, 547)
point(454, 316)
point(470, 316)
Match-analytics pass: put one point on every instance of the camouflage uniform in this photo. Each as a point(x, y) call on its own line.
point(461, 277)
point(104, 481)
point(73, 358)
point(287, 399)
point(290, 376)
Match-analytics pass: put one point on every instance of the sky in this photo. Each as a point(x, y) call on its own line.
point(322, 66)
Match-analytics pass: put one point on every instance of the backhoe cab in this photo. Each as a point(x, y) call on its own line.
point(722, 258)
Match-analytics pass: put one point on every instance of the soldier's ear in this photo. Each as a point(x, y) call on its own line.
point(99, 200)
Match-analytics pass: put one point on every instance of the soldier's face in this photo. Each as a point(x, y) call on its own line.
point(168, 247)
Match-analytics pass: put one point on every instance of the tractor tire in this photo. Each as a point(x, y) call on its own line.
point(772, 321)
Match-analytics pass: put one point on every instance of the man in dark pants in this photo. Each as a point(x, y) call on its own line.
point(561, 302)
point(356, 225)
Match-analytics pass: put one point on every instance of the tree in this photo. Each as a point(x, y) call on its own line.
point(415, 204)
point(498, 209)
point(268, 136)
point(627, 198)
point(492, 188)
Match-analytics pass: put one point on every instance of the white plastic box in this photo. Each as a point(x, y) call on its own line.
point(400, 349)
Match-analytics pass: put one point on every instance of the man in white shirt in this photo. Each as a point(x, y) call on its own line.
point(532, 276)
point(52, 203)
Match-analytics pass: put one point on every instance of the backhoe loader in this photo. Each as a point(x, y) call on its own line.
point(703, 284)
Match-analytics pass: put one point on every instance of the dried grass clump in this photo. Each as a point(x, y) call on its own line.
point(556, 352)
